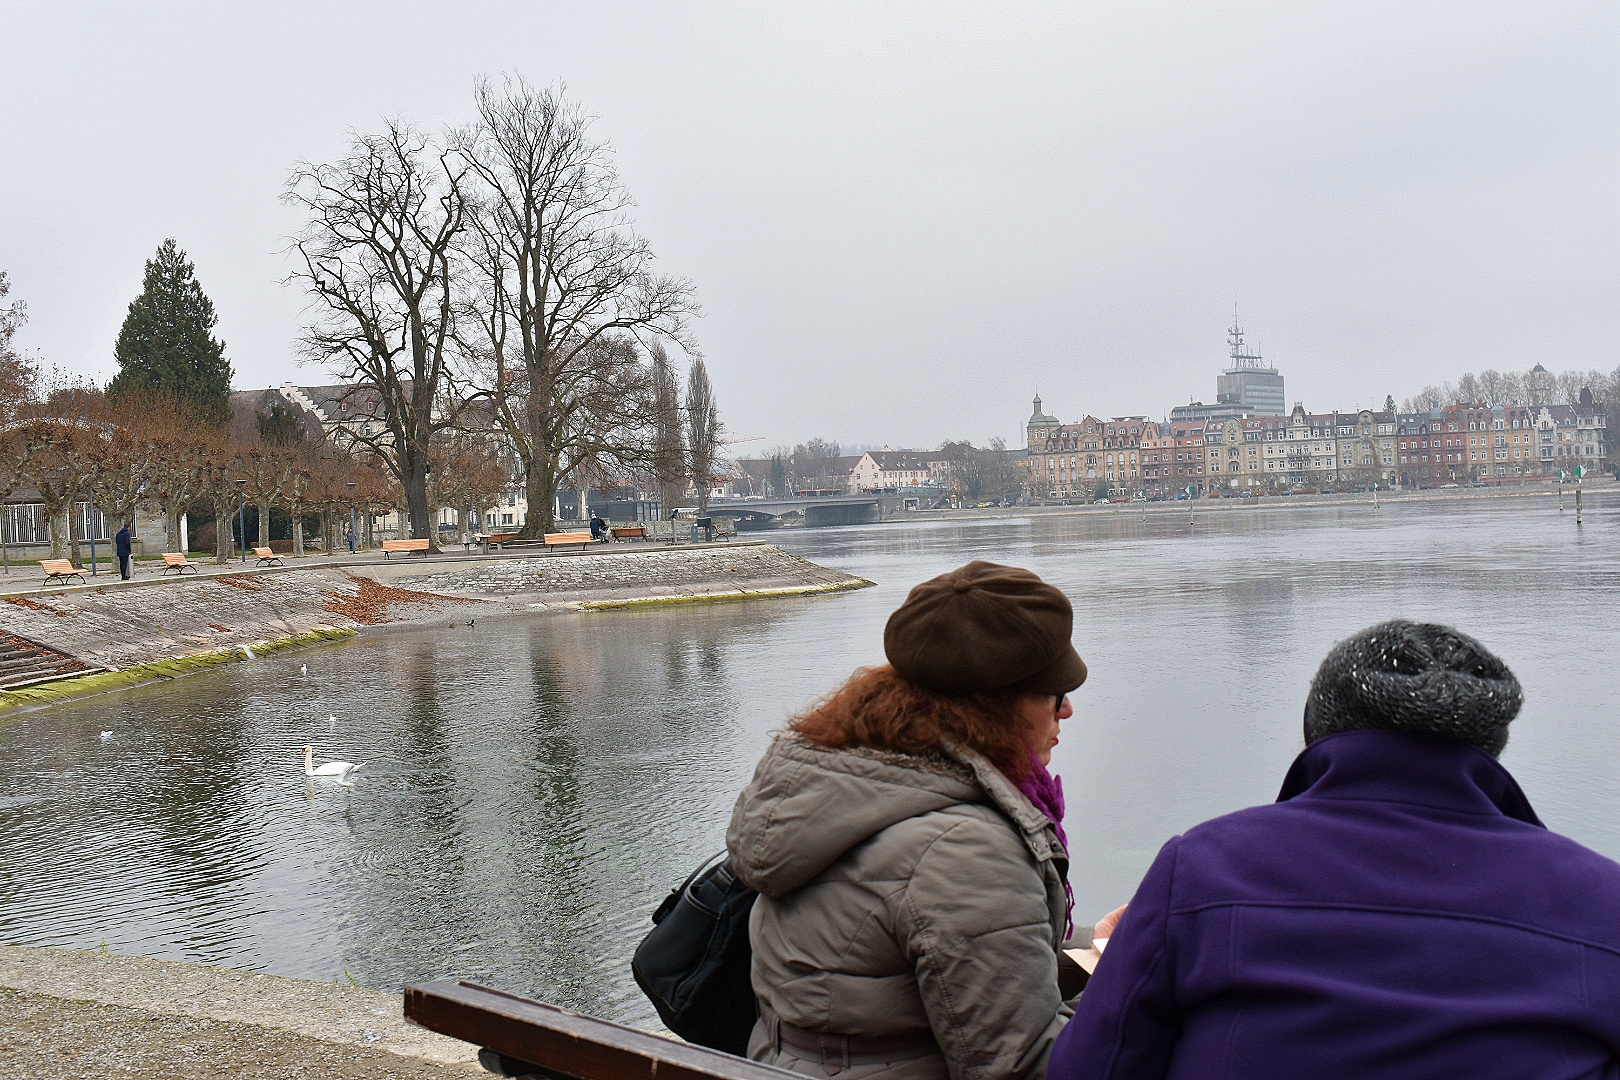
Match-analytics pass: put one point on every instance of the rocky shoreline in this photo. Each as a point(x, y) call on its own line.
point(120, 634)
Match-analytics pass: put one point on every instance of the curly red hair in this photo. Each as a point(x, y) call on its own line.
point(876, 707)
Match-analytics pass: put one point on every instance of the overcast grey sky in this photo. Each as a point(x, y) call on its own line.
point(902, 219)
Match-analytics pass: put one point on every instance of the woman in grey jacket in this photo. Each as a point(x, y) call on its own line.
point(905, 838)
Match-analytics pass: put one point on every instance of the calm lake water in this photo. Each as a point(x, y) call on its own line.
point(532, 789)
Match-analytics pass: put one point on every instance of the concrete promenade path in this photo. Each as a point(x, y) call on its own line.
point(68, 1014)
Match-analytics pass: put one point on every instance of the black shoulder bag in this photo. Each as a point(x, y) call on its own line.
point(694, 965)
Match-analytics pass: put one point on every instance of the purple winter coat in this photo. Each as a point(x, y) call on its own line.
point(1398, 912)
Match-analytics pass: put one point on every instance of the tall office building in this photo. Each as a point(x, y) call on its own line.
point(1248, 383)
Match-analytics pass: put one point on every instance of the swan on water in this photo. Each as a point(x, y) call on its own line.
point(342, 771)
point(247, 653)
point(303, 669)
point(106, 734)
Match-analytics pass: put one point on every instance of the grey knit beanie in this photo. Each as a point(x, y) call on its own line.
point(1421, 678)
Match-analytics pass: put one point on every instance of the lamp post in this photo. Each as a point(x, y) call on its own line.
point(353, 536)
point(241, 515)
point(93, 570)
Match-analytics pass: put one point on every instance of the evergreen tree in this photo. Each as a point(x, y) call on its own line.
point(165, 344)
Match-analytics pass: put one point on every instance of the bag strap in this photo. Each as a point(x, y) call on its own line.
point(706, 864)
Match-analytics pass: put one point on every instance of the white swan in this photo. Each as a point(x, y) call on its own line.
point(342, 771)
point(303, 669)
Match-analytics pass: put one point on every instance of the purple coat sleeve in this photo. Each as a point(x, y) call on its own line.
point(1127, 1022)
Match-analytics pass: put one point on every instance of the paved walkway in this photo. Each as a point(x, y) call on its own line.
point(66, 1014)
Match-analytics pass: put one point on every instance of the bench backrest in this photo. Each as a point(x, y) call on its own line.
point(629, 530)
point(264, 553)
point(56, 566)
point(175, 558)
point(402, 545)
point(569, 1044)
point(568, 538)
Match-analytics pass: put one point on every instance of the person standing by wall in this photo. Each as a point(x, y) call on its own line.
point(126, 560)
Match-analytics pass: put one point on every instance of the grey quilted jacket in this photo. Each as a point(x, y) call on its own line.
point(900, 897)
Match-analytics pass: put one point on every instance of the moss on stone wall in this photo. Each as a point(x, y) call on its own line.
point(721, 597)
point(102, 682)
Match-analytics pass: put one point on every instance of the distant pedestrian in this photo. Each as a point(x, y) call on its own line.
point(598, 529)
point(126, 561)
point(348, 534)
point(1399, 911)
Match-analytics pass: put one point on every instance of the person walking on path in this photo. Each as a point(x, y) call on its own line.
point(906, 841)
point(126, 559)
point(1400, 911)
point(349, 535)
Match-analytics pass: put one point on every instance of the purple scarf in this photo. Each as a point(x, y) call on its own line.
point(1045, 791)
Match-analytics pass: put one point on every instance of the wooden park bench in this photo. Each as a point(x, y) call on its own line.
point(629, 532)
point(495, 540)
point(177, 561)
point(267, 557)
point(407, 546)
point(61, 570)
point(583, 539)
point(519, 1036)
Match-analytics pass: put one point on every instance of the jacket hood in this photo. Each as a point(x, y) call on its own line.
point(807, 805)
point(1403, 767)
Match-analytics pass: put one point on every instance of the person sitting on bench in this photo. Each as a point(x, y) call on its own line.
point(1399, 911)
point(599, 531)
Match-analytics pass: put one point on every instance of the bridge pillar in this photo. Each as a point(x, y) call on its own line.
point(845, 514)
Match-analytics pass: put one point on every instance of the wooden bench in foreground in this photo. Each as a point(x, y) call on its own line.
point(629, 532)
point(61, 570)
point(177, 561)
point(520, 1036)
point(407, 546)
point(267, 557)
point(583, 539)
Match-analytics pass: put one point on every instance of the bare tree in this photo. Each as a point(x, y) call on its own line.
point(18, 375)
point(562, 290)
point(702, 432)
point(65, 432)
point(668, 452)
point(1513, 388)
point(1484, 387)
point(377, 256)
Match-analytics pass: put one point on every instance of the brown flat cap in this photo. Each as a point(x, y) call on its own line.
point(985, 627)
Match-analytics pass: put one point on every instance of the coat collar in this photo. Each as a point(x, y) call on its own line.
point(1428, 770)
point(1037, 828)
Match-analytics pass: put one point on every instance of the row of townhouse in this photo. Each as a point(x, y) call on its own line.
point(1475, 442)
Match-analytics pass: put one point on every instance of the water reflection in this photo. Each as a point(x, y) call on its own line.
point(532, 788)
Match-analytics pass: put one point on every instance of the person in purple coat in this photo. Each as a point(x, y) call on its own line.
point(1398, 912)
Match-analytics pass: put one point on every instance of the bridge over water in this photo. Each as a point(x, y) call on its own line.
point(817, 510)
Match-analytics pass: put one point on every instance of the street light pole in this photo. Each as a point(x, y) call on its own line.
point(93, 570)
point(241, 516)
point(354, 537)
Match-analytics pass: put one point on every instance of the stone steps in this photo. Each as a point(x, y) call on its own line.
point(24, 662)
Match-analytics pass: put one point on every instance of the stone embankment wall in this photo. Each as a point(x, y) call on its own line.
point(624, 576)
point(163, 628)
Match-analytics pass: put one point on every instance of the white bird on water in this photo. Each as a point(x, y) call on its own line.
point(303, 669)
point(106, 734)
point(341, 771)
